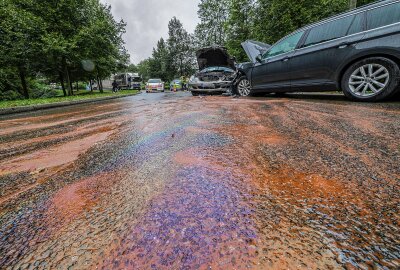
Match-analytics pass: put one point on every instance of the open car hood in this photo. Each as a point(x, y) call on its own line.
point(214, 57)
point(254, 48)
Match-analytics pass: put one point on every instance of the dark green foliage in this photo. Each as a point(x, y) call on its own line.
point(213, 15)
point(54, 38)
point(180, 50)
point(239, 27)
point(264, 20)
point(160, 64)
point(41, 90)
point(364, 2)
point(171, 59)
point(274, 19)
point(144, 69)
point(10, 88)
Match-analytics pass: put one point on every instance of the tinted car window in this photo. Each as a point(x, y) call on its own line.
point(286, 45)
point(383, 16)
point(357, 25)
point(329, 31)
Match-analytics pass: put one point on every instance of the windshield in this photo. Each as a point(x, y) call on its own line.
point(212, 69)
point(286, 45)
point(136, 79)
point(155, 81)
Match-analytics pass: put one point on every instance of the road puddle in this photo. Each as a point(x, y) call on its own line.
point(175, 182)
point(199, 221)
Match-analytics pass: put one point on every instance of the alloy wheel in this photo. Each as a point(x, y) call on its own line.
point(369, 80)
point(244, 87)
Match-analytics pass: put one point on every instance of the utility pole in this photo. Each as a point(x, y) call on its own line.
point(352, 4)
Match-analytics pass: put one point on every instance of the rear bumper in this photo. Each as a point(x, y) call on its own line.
point(155, 89)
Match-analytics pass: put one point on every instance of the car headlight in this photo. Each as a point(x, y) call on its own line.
point(228, 77)
point(193, 79)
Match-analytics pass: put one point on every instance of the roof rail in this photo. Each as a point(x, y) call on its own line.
point(348, 11)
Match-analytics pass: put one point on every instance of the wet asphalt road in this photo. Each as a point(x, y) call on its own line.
point(170, 181)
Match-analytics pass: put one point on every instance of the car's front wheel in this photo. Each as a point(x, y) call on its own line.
point(243, 87)
point(195, 94)
point(371, 79)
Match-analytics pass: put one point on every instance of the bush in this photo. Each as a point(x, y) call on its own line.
point(81, 86)
point(40, 90)
point(10, 95)
point(10, 88)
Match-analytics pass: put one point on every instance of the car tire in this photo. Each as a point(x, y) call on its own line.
point(243, 87)
point(371, 79)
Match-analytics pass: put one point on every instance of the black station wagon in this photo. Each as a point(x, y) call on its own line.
point(357, 52)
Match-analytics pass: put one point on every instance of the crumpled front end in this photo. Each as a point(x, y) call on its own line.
point(217, 71)
point(210, 82)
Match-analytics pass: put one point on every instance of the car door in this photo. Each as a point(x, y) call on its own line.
point(273, 73)
point(314, 65)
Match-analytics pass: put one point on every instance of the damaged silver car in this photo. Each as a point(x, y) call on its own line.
point(217, 72)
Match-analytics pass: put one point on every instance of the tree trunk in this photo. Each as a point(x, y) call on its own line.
point(71, 87)
point(65, 68)
point(69, 82)
point(77, 86)
point(99, 85)
point(181, 67)
point(61, 77)
point(60, 74)
point(22, 76)
point(91, 85)
point(352, 4)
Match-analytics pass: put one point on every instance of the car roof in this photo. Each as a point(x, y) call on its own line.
point(347, 13)
point(340, 15)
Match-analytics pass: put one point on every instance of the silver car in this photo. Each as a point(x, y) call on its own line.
point(217, 72)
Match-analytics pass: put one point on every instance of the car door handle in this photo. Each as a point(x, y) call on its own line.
point(343, 45)
point(286, 59)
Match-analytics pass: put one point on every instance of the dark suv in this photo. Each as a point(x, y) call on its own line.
point(357, 52)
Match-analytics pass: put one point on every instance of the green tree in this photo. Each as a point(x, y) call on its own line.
point(20, 42)
point(239, 27)
point(161, 62)
point(360, 3)
point(180, 49)
point(277, 18)
point(213, 15)
point(144, 69)
point(100, 41)
point(131, 68)
point(54, 38)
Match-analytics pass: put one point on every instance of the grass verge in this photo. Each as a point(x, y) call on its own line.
point(82, 95)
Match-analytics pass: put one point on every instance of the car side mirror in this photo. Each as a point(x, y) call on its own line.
point(258, 58)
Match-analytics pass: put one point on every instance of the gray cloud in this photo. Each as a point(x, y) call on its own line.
point(148, 21)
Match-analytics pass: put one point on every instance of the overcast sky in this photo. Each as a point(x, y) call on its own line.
point(148, 21)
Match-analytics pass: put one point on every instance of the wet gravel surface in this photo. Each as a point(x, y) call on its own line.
point(170, 181)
